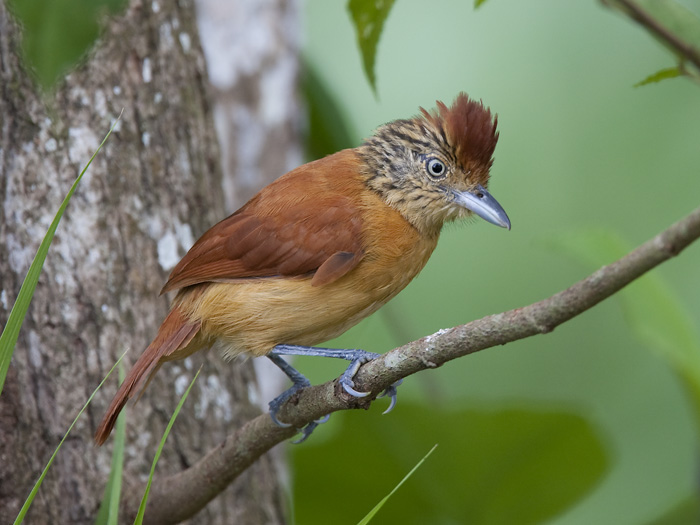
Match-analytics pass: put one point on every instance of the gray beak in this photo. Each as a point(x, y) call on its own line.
point(483, 204)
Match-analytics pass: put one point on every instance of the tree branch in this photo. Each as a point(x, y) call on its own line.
point(177, 497)
point(642, 17)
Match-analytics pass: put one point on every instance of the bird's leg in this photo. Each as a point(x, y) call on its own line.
point(356, 357)
point(300, 381)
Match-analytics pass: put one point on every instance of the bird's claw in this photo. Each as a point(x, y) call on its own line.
point(346, 378)
point(348, 384)
point(391, 394)
point(308, 429)
point(277, 403)
point(322, 420)
point(348, 387)
point(273, 416)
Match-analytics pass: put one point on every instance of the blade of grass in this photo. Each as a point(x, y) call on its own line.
point(379, 505)
point(32, 494)
point(109, 508)
point(142, 506)
point(10, 333)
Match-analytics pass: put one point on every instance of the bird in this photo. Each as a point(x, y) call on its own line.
point(323, 247)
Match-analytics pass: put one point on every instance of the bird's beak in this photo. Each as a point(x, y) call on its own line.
point(483, 204)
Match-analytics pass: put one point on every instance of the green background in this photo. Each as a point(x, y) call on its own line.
point(580, 149)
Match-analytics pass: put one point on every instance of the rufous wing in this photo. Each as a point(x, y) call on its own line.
point(307, 221)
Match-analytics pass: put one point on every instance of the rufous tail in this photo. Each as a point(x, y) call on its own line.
point(174, 334)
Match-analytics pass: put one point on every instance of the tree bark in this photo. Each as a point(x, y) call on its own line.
point(154, 187)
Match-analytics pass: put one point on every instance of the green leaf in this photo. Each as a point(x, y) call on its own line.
point(8, 339)
point(28, 502)
point(144, 499)
point(477, 3)
point(379, 505)
point(662, 74)
point(46, 45)
point(369, 17)
point(507, 465)
point(109, 508)
point(652, 311)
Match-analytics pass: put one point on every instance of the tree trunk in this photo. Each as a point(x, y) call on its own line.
point(154, 187)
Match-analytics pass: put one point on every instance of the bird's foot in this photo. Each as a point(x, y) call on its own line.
point(356, 357)
point(356, 361)
point(391, 394)
point(308, 429)
point(300, 382)
point(346, 379)
point(281, 399)
point(275, 405)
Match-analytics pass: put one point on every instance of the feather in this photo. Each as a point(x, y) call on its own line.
point(291, 228)
point(470, 129)
point(174, 335)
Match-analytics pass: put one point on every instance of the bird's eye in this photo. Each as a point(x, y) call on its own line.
point(436, 168)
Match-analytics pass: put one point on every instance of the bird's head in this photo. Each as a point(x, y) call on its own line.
point(434, 168)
